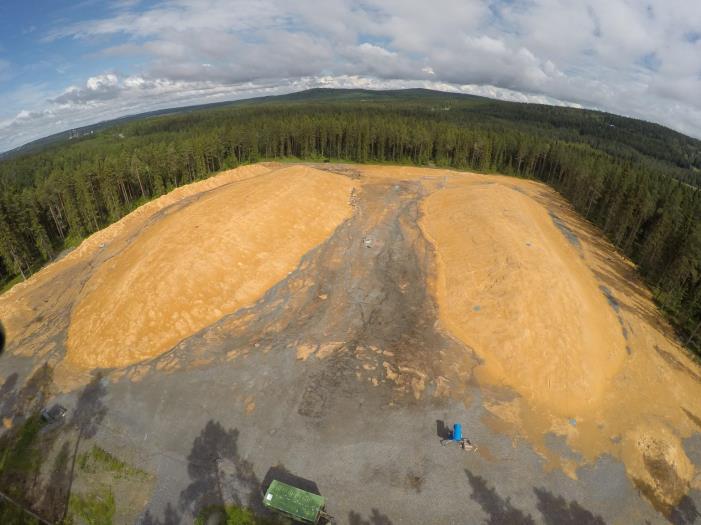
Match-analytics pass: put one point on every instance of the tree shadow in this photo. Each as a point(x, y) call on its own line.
point(87, 415)
point(375, 518)
point(24, 445)
point(442, 430)
point(557, 511)
point(696, 419)
point(685, 513)
point(55, 497)
point(280, 473)
point(8, 395)
point(218, 473)
point(89, 410)
point(499, 510)
point(28, 399)
point(35, 391)
point(170, 517)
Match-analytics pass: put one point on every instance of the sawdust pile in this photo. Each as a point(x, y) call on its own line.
point(219, 253)
point(554, 314)
point(537, 294)
point(18, 306)
point(512, 290)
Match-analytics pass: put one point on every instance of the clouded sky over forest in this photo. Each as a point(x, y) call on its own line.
point(69, 63)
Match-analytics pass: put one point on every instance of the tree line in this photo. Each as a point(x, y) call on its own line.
point(643, 202)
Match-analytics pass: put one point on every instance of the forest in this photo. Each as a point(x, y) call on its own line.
point(638, 182)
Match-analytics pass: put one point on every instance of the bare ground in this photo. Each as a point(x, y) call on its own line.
point(341, 379)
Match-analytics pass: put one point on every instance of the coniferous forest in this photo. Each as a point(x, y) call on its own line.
point(638, 182)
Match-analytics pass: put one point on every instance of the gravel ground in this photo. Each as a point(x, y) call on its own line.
point(359, 414)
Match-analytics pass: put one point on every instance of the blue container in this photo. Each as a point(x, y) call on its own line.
point(457, 432)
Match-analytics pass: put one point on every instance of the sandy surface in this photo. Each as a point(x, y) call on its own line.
point(323, 301)
point(55, 287)
point(553, 319)
point(208, 259)
point(512, 289)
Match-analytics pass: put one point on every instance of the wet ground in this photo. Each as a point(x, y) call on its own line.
point(341, 380)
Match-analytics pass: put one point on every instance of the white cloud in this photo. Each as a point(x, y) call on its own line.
point(633, 57)
point(101, 82)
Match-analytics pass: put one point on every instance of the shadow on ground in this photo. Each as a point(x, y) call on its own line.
point(53, 504)
point(29, 442)
point(211, 482)
point(8, 395)
point(88, 414)
point(685, 513)
point(375, 518)
point(19, 403)
point(555, 510)
point(170, 517)
point(499, 510)
point(280, 473)
point(442, 430)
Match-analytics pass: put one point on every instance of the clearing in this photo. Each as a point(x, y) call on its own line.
point(323, 323)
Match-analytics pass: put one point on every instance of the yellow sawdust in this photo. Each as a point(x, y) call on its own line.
point(511, 289)
point(190, 268)
point(249, 405)
point(304, 351)
point(511, 286)
point(326, 349)
point(18, 305)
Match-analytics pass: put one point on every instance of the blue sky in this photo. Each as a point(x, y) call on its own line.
point(65, 64)
point(53, 65)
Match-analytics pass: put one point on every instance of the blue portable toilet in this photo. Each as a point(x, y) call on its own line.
point(457, 432)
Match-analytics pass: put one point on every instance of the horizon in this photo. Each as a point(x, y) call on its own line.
point(64, 65)
point(145, 114)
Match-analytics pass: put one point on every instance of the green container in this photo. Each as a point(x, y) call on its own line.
point(295, 503)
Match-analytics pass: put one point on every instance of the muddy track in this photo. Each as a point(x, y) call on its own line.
point(357, 302)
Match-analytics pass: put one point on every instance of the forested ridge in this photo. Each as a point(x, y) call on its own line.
point(635, 180)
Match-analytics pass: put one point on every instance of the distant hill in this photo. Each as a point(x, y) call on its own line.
point(310, 95)
point(602, 130)
point(85, 131)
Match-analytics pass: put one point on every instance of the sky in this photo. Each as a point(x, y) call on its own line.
point(65, 64)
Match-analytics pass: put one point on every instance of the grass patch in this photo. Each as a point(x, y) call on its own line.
point(20, 460)
point(99, 460)
point(235, 515)
point(9, 284)
point(95, 508)
point(19, 453)
point(13, 515)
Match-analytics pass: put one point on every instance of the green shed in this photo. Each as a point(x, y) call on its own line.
point(295, 503)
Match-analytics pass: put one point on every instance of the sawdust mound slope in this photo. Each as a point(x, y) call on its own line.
point(19, 304)
point(515, 292)
point(517, 286)
point(217, 254)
